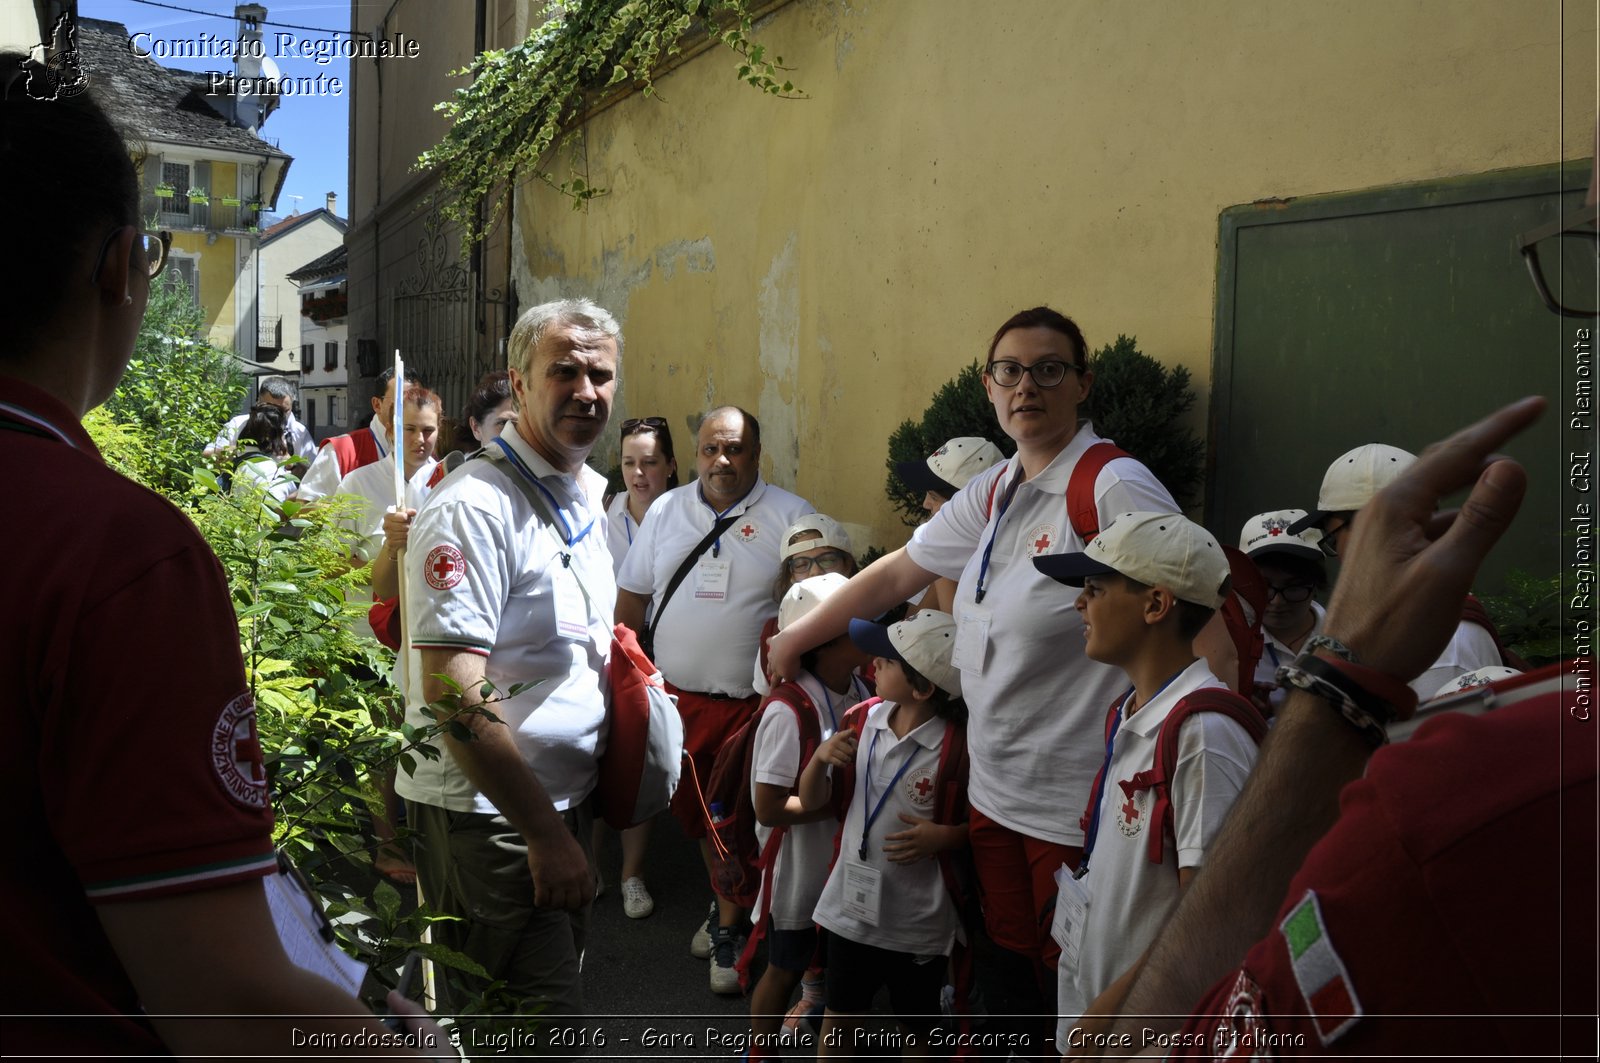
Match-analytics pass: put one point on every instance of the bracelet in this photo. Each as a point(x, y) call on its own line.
point(1336, 695)
point(1381, 685)
point(1331, 644)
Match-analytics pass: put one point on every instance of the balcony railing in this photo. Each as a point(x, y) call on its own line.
point(182, 214)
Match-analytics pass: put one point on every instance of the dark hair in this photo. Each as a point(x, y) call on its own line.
point(492, 392)
point(1192, 616)
point(943, 703)
point(1300, 568)
point(751, 425)
point(264, 425)
point(1044, 317)
point(66, 165)
point(658, 427)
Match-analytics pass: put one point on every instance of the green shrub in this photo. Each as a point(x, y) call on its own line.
point(1528, 616)
point(1139, 403)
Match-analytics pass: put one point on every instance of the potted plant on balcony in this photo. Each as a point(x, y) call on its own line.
point(198, 195)
point(165, 191)
point(230, 201)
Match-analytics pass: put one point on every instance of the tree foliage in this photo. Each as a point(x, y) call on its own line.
point(522, 102)
point(177, 393)
point(1136, 402)
point(1140, 404)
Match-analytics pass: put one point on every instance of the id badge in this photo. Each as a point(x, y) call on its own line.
point(972, 639)
point(572, 612)
point(711, 580)
point(1072, 912)
point(863, 891)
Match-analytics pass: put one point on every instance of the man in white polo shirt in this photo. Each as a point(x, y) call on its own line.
point(274, 392)
point(708, 630)
point(510, 580)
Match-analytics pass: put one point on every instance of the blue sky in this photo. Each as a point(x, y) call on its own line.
point(313, 129)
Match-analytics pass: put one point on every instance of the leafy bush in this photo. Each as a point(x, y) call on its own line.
point(1139, 403)
point(177, 393)
point(1528, 616)
point(1136, 401)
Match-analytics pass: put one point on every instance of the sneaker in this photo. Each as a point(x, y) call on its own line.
point(724, 977)
point(636, 900)
point(801, 1024)
point(700, 944)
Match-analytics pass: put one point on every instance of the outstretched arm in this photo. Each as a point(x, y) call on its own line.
point(1397, 601)
point(871, 592)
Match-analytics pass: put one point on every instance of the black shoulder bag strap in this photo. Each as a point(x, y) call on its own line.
point(647, 638)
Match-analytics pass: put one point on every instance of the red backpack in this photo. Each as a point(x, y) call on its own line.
point(1159, 775)
point(1081, 510)
point(1473, 612)
point(354, 450)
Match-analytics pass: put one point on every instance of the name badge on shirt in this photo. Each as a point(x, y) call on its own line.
point(972, 638)
point(572, 612)
point(863, 890)
point(711, 579)
point(1072, 911)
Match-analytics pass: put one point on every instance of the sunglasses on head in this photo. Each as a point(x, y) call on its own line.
point(643, 424)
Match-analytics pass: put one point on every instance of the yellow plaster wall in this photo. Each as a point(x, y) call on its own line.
point(218, 281)
point(830, 262)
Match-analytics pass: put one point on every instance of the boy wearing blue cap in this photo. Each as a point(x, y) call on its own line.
point(1150, 582)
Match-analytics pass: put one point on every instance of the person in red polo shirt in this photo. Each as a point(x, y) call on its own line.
point(135, 802)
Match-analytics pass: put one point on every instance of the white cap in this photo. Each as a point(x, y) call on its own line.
point(832, 532)
point(1157, 549)
point(925, 641)
point(951, 467)
point(1478, 677)
point(1354, 478)
point(1269, 533)
point(807, 595)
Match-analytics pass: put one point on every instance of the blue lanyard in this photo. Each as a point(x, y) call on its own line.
point(869, 818)
point(566, 529)
point(378, 443)
point(627, 522)
point(1005, 504)
point(855, 685)
point(1105, 772)
point(716, 547)
point(1274, 655)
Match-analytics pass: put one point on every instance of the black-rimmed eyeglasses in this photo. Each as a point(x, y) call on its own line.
point(831, 561)
point(155, 246)
point(1046, 374)
point(1564, 251)
point(1293, 593)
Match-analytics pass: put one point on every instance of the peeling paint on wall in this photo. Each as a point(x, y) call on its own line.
point(779, 307)
point(696, 256)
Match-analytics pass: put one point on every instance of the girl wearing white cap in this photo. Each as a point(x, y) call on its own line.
point(1292, 566)
point(947, 470)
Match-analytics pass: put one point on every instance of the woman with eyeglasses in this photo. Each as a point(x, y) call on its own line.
point(649, 470)
point(1036, 702)
point(813, 545)
point(1295, 573)
point(138, 813)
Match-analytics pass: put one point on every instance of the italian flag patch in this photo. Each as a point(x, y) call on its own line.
point(1324, 983)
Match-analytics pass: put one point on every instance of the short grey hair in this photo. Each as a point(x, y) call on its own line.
point(277, 387)
point(535, 321)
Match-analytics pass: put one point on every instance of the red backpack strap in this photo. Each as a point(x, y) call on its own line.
point(1246, 587)
point(1158, 778)
point(994, 485)
point(1094, 788)
point(1473, 612)
point(1081, 510)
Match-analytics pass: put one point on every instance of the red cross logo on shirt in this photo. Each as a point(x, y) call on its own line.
point(747, 532)
point(1041, 537)
point(444, 567)
point(924, 784)
point(1042, 543)
point(1130, 810)
point(242, 750)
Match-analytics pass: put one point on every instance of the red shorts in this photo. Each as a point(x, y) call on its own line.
point(1016, 878)
point(707, 723)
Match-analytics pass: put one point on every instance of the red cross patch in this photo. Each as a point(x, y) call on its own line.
point(236, 753)
point(1241, 1032)
point(746, 531)
point(1041, 539)
point(918, 786)
point(444, 567)
point(1130, 813)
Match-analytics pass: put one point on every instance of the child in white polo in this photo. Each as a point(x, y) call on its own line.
point(830, 687)
point(1150, 582)
point(888, 914)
